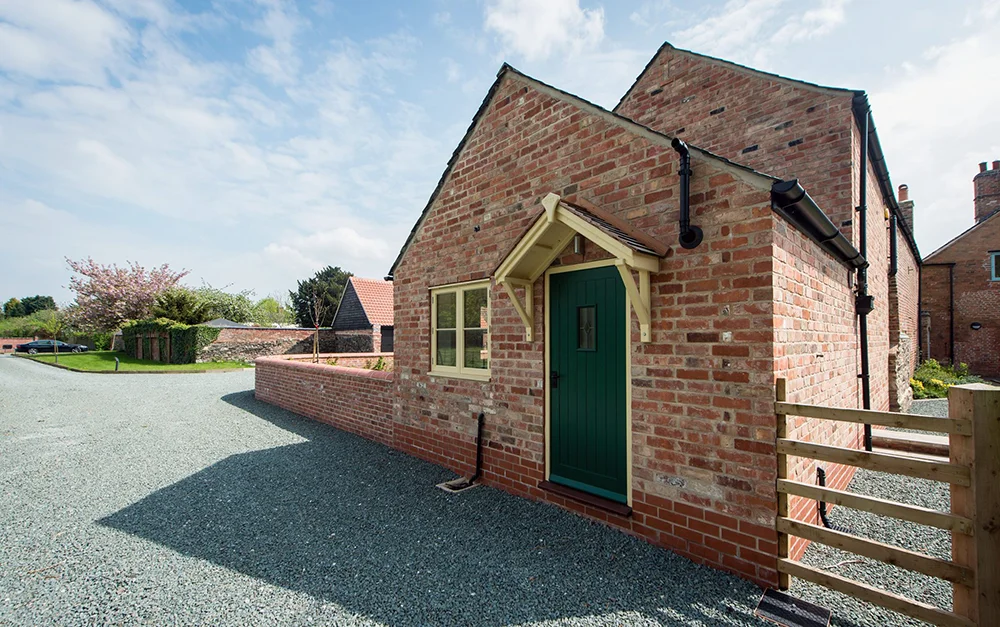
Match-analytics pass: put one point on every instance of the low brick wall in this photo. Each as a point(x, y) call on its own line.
point(352, 399)
point(13, 342)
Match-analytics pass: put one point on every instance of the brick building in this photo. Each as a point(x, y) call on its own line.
point(625, 358)
point(960, 287)
point(363, 320)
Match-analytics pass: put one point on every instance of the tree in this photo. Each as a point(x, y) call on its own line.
point(183, 305)
point(317, 311)
point(107, 296)
point(328, 285)
point(37, 303)
point(269, 312)
point(13, 308)
point(237, 307)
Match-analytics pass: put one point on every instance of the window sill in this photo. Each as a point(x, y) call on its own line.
point(593, 500)
point(460, 375)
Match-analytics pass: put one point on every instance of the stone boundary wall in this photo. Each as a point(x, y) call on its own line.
point(13, 342)
point(249, 343)
point(352, 399)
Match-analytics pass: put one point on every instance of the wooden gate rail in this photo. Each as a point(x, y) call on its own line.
point(888, 600)
point(912, 513)
point(974, 522)
point(895, 464)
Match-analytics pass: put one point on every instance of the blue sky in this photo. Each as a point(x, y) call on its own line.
point(254, 142)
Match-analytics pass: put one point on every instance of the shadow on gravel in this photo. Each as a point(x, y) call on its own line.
point(358, 524)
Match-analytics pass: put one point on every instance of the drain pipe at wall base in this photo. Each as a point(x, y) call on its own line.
point(690, 236)
point(864, 303)
point(462, 483)
point(821, 505)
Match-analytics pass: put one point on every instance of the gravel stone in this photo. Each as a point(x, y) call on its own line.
point(179, 500)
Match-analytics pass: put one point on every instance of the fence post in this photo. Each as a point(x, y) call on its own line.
point(980, 502)
point(782, 432)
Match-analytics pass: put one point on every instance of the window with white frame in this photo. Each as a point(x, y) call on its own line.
point(995, 265)
point(460, 343)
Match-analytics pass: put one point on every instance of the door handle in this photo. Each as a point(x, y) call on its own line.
point(554, 379)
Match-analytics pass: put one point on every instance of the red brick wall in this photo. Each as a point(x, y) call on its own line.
point(799, 131)
point(352, 399)
point(976, 299)
point(816, 351)
point(13, 342)
point(702, 421)
point(904, 341)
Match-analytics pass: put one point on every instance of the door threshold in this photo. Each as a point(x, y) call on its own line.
point(619, 509)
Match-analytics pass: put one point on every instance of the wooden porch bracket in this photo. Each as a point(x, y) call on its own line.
point(525, 309)
point(639, 295)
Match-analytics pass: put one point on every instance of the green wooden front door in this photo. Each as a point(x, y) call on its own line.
point(587, 382)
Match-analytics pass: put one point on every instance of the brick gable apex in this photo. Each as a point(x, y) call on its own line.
point(749, 175)
point(988, 224)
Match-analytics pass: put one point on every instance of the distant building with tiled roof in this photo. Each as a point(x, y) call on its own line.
point(365, 307)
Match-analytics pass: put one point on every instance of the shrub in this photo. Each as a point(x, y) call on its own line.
point(932, 379)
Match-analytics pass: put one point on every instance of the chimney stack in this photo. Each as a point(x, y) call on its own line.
point(906, 206)
point(987, 186)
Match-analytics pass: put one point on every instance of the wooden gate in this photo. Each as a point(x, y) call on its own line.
point(973, 429)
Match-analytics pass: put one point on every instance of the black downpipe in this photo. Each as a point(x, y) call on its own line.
point(690, 236)
point(821, 480)
point(479, 449)
point(951, 314)
point(893, 246)
point(864, 303)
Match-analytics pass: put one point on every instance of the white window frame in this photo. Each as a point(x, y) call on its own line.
point(459, 371)
point(994, 260)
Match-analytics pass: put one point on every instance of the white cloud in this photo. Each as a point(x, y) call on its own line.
point(937, 120)
point(61, 40)
point(325, 169)
point(538, 30)
point(753, 31)
point(278, 61)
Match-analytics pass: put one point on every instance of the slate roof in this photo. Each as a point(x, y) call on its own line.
point(376, 299)
point(222, 323)
point(619, 229)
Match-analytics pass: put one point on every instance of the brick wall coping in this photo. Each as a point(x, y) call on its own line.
point(305, 356)
point(297, 363)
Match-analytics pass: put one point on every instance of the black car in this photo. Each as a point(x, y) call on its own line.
point(49, 346)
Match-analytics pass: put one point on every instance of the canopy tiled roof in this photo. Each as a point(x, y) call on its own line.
point(376, 299)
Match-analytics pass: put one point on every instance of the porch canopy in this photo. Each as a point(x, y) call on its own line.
point(553, 231)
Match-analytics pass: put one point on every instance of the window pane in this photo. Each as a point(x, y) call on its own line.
point(446, 348)
point(474, 309)
point(446, 313)
point(996, 266)
point(587, 334)
point(476, 350)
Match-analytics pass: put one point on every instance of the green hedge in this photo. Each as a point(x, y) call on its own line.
point(185, 340)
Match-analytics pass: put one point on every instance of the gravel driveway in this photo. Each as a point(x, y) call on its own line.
point(179, 499)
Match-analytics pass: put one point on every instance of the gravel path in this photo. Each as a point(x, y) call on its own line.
point(179, 499)
point(928, 540)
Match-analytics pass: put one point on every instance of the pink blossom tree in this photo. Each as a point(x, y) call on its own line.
point(107, 296)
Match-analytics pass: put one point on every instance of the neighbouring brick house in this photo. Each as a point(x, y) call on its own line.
point(625, 354)
point(363, 321)
point(960, 287)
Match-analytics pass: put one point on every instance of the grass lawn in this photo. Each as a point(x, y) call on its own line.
point(103, 361)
